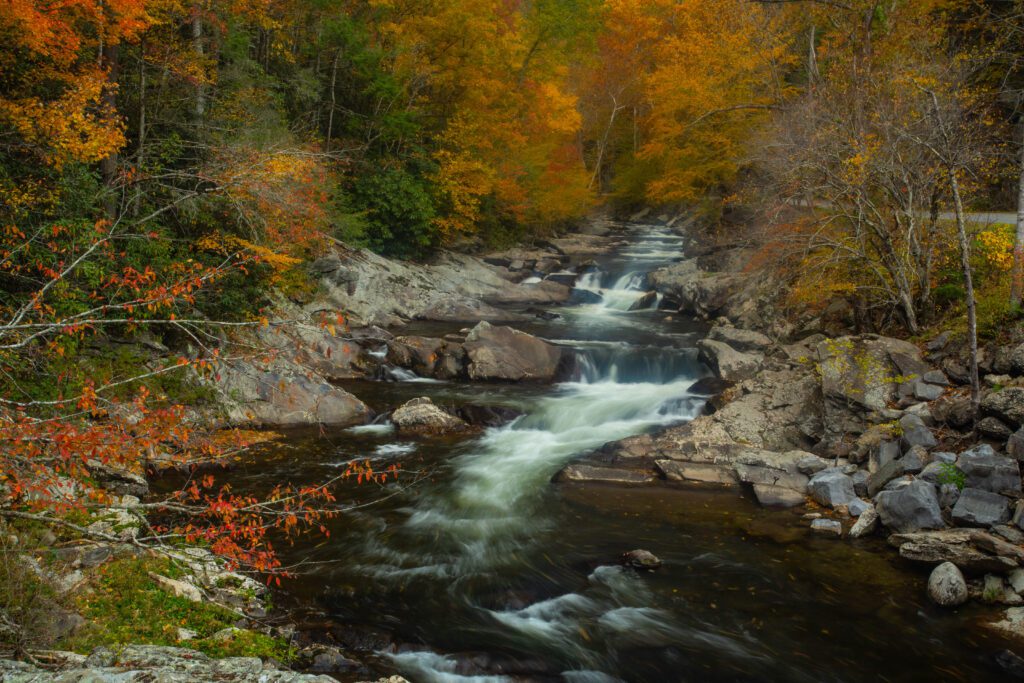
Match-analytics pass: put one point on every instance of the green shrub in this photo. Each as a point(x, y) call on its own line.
point(400, 212)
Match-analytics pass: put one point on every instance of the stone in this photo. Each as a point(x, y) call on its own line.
point(955, 411)
point(935, 377)
point(506, 354)
point(178, 588)
point(1015, 445)
point(995, 591)
point(1017, 516)
point(976, 507)
point(641, 559)
point(914, 460)
point(966, 548)
point(944, 457)
point(811, 464)
point(421, 416)
point(739, 339)
point(994, 473)
point(857, 507)
point(946, 585)
point(915, 433)
point(774, 476)
point(827, 527)
point(284, 394)
point(866, 523)
point(913, 507)
point(860, 483)
point(939, 342)
point(994, 428)
point(187, 634)
point(1007, 404)
point(927, 392)
point(831, 488)
point(1009, 533)
point(885, 474)
point(883, 454)
point(1016, 580)
point(726, 362)
point(949, 494)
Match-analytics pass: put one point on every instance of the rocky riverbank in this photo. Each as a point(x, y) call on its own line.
point(873, 435)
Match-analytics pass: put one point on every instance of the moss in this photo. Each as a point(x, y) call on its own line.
point(125, 605)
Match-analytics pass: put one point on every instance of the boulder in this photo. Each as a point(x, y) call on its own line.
point(421, 416)
point(283, 395)
point(911, 508)
point(726, 362)
point(994, 428)
point(643, 302)
point(976, 507)
point(1006, 404)
point(946, 585)
point(1015, 445)
point(418, 354)
point(774, 476)
point(858, 378)
point(866, 523)
point(811, 464)
point(954, 411)
point(989, 472)
point(506, 354)
point(744, 341)
point(831, 488)
point(641, 559)
point(857, 507)
point(915, 433)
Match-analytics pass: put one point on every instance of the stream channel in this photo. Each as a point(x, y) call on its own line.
point(474, 567)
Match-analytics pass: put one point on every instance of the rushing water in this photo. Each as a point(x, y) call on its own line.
point(478, 569)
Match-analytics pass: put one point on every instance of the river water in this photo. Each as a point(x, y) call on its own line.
point(474, 567)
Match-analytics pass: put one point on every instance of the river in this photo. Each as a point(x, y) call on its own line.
point(474, 567)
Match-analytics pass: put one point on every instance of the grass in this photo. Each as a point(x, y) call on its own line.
point(126, 606)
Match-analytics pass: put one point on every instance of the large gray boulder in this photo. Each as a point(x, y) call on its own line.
point(775, 477)
point(831, 488)
point(859, 378)
point(506, 354)
point(911, 508)
point(946, 585)
point(284, 395)
point(977, 507)
point(985, 470)
point(726, 362)
point(1006, 404)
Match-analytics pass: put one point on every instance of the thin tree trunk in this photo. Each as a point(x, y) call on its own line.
point(334, 102)
point(1017, 275)
point(965, 264)
point(108, 165)
point(140, 158)
point(199, 106)
point(604, 143)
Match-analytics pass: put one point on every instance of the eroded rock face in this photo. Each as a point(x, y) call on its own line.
point(859, 376)
point(421, 416)
point(506, 354)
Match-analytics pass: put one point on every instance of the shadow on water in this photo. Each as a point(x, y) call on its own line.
point(483, 571)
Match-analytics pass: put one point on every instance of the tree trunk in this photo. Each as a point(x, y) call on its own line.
point(199, 106)
point(965, 264)
point(334, 102)
point(1017, 276)
point(108, 166)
